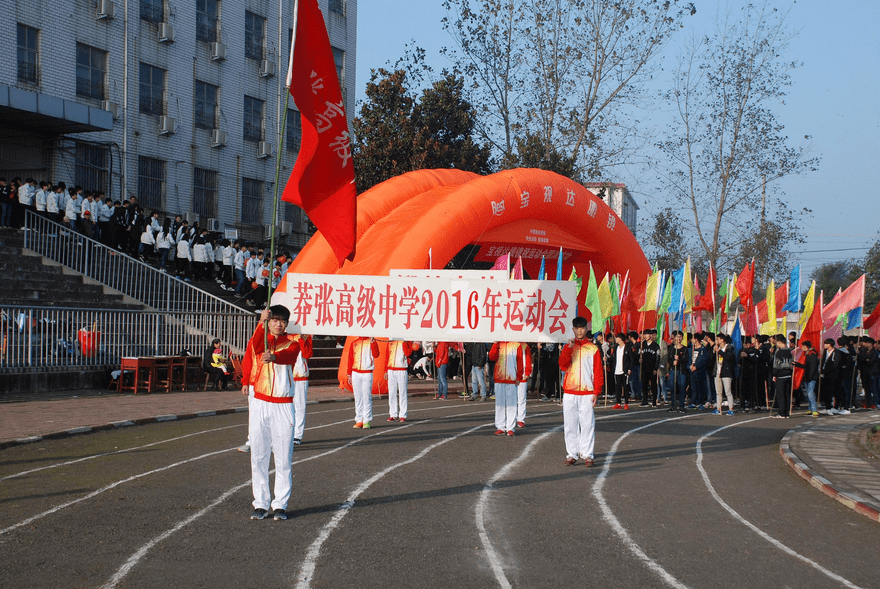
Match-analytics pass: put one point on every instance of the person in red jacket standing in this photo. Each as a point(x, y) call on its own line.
point(397, 365)
point(441, 360)
point(508, 372)
point(301, 385)
point(361, 354)
point(267, 379)
point(581, 360)
point(522, 386)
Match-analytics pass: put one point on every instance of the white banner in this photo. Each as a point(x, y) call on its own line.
point(463, 274)
point(429, 309)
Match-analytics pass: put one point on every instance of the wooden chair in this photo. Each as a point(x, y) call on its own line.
point(236, 370)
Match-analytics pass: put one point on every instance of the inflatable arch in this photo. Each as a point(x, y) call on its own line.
point(425, 218)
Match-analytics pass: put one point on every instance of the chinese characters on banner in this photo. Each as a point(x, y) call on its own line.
point(431, 309)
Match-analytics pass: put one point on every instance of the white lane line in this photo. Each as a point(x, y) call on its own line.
point(141, 552)
point(304, 578)
point(615, 524)
point(752, 526)
point(480, 510)
point(78, 460)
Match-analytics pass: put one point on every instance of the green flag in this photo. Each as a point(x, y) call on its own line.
point(592, 301)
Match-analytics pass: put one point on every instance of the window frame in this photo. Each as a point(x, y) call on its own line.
point(150, 12)
point(152, 182)
point(250, 118)
point(207, 17)
point(96, 70)
point(205, 193)
point(155, 99)
point(254, 47)
point(198, 101)
point(253, 194)
point(31, 63)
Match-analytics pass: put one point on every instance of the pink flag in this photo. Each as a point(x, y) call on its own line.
point(517, 270)
point(852, 298)
point(502, 263)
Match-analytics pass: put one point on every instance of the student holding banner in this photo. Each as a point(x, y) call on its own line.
point(397, 365)
point(509, 371)
point(361, 354)
point(581, 360)
point(522, 386)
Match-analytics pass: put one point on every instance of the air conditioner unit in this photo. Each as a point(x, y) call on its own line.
point(166, 125)
point(267, 231)
point(213, 225)
point(264, 149)
point(218, 51)
point(191, 218)
point(267, 68)
point(166, 33)
point(106, 9)
point(286, 227)
point(218, 138)
point(112, 107)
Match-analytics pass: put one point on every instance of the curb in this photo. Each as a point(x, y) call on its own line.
point(869, 510)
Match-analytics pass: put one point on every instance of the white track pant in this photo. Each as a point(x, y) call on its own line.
point(270, 428)
point(725, 383)
point(505, 406)
point(522, 391)
point(362, 385)
point(300, 396)
point(579, 425)
point(397, 397)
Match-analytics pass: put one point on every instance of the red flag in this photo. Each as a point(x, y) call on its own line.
point(322, 180)
point(873, 317)
point(813, 328)
point(852, 298)
point(745, 284)
point(781, 295)
point(711, 287)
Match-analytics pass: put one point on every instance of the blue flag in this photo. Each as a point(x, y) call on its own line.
point(677, 304)
point(736, 337)
point(541, 271)
point(855, 319)
point(794, 291)
point(559, 266)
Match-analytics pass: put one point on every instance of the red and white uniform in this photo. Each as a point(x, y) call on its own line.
point(361, 355)
point(301, 383)
point(522, 387)
point(396, 366)
point(584, 376)
point(508, 372)
point(270, 414)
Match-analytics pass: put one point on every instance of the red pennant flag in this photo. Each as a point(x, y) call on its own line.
point(873, 318)
point(322, 180)
point(711, 287)
point(813, 328)
point(745, 284)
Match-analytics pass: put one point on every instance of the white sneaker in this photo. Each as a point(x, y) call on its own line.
point(833, 412)
point(825, 412)
point(246, 449)
point(843, 412)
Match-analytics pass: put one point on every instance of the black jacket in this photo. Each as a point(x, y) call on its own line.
point(810, 365)
point(726, 357)
point(782, 363)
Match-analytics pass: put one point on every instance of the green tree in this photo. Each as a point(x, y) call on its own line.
point(870, 267)
point(665, 243)
point(830, 277)
point(398, 130)
point(726, 148)
point(558, 72)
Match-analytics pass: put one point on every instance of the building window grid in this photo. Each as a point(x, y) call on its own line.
point(27, 54)
point(151, 182)
point(91, 167)
point(293, 132)
point(206, 105)
point(337, 6)
point(253, 119)
point(152, 90)
point(252, 192)
point(293, 214)
point(254, 35)
point(205, 193)
point(91, 71)
point(206, 20)
point(339, 60)
point(152, 10)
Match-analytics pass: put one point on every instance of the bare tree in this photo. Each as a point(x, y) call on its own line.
point(726, 146)
point(558, 70)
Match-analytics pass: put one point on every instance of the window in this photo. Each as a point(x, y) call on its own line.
point(253, 119)
point(152, 10)
point(206, 20)
point(91, 167)
point(206, 106)
point(293, 214)
point(252, 192)
point(294, 130)
point(91, 71)
point(151, 183)
point(337, 6)
point(205, 193)
point(27, 54)
point(254, 33)
point(152, 96)
point(339, 60)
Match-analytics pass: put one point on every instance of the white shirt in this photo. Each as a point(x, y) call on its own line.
point(241, 260)
point(183, 249)
point(618, 359)
point(105, 213)
point(52, 202)
point(164, 240)
point(41, 200)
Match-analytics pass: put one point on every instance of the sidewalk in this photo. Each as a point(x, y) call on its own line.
point(56, 414)
point(830, 454)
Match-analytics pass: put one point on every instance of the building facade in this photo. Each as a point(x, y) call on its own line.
point(619, 199)
point(178, 103)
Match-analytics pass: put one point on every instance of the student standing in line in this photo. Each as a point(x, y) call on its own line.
point(361, 355)
point(508, 372)
point(581, 360)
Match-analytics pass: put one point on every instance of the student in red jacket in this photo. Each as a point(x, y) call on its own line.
point(508, 372)
point(581, 360)
point(396, 368)
point(441, 359)
point(361, 357)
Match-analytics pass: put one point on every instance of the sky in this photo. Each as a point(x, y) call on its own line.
point(833, 99)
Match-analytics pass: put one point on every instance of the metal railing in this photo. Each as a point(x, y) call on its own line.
point(58, 338)
point(119, 271)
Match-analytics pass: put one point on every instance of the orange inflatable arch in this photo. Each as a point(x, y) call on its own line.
point(426, 218)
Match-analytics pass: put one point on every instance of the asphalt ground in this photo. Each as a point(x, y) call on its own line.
point(439, 501)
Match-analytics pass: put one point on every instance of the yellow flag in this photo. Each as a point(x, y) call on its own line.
point(652, 290)
point(771, 326)
point(687, 290)
point(606, 303)
point(809, 303)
